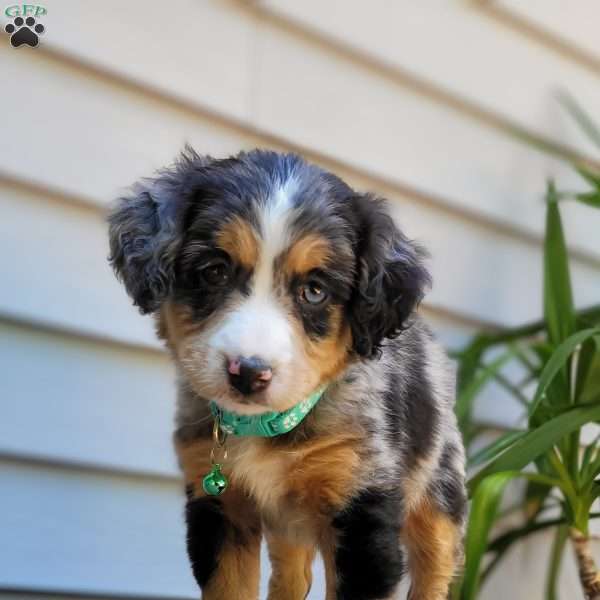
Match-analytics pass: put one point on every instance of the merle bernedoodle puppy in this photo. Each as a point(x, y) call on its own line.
point(314, 406)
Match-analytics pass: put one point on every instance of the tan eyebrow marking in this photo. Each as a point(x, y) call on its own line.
point(237, 238)
point(308, 253)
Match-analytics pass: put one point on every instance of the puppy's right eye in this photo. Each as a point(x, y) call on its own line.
point(312, 293)
point(216, 274)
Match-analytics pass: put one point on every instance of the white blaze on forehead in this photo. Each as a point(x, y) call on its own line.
point(274, 219)
point(260, 326)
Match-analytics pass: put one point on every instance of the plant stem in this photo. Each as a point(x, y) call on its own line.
point(588, 571)
point(556, 555)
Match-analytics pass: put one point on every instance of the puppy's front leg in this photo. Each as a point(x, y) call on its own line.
point(364, 554)
point(291, 566)
point(223, 533)
point(224, 548)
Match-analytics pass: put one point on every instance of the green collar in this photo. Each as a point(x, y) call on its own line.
point(268, 424)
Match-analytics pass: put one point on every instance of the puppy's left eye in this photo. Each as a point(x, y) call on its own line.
point(312, 293)
point(216, 274)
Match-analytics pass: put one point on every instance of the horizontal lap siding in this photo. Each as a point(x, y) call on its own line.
point(456, 50)
point(400, 129)
point(62, 275)
point(92, 500)
point(95, 136)
point(68, 529)
point(573, 24)
point(78, 401)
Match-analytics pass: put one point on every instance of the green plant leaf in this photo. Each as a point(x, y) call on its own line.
point(537, 441)
point(592, 469)
point(536, 494)
point(482, 342)
point(469, 359)
point(557, 361)
point(585, 359)
point(558, 296)
point(517, 533)
point(556, 554)
point(584, 121)
point(590, 176)
point(589, 459)
point(595, 492)
point(507, 538)
point(495, 448)
point(588, 371)
point(484, 509)
point(557, 393)
point(588, 317)
point(590, 198)
point(466, 396)
point(483, 513)
point(503, 543)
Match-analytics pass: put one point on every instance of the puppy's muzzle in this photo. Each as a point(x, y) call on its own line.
point(249, 375)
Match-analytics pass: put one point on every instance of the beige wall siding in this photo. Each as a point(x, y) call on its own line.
point(412, 100)
point(570, 27)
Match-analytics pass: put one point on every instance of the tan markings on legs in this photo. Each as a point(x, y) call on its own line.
point(237, 238)
point(416, 482)
point(238, 571)
point(291, 564)
point(327, 548)
point(308, 482)
point(433, 542)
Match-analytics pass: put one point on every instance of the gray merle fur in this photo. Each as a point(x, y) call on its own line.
point(397, 387)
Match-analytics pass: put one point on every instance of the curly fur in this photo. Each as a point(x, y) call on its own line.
point(376, 471)
point(145, 232)
point(391, 278)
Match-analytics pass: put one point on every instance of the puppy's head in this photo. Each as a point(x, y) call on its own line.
point(268, 275)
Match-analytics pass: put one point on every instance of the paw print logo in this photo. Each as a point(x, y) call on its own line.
point(24, 31)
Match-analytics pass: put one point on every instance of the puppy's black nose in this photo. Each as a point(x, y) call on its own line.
point(249, 375)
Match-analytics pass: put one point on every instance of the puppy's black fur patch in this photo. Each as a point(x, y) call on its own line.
point(391, 278)
point(368, 558)
point(206, 530)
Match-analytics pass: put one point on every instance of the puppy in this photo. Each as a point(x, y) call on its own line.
point(313, 406)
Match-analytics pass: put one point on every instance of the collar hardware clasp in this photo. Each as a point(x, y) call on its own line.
point(214, 483)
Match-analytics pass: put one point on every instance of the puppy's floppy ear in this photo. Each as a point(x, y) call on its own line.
point(145, 232)
point(391, 278)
